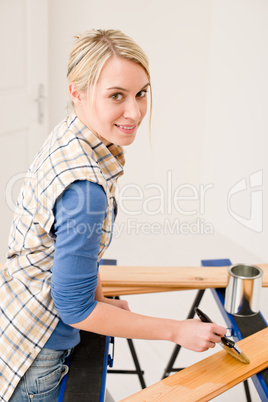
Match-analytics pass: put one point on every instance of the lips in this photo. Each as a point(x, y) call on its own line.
point(128, 129)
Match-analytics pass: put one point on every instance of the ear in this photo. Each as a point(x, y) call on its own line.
point(75, 95)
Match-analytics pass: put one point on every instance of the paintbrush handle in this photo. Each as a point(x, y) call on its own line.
point(203, 317)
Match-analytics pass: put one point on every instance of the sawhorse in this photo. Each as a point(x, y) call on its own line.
point(241, 328)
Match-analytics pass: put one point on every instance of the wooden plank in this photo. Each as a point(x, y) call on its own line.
point(134, 290)
point(209, 377)
point(169, 277)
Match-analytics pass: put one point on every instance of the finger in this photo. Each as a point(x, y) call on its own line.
point(212, 345)
point(221, 331)
point(215, 338)
point(209, 345)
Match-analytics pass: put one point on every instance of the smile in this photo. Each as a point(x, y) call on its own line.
point(126, 127)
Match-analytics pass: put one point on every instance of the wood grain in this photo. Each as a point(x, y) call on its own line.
point(209, 377)
point(169, 277)
point(127, 280)
point(135, 290)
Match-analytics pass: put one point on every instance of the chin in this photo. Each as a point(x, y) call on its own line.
point(126, 142)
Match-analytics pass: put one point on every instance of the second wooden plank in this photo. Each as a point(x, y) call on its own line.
point(209, 377)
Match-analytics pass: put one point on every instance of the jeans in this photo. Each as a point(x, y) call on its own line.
point(42, 380)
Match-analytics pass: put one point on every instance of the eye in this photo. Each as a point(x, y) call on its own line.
point(118, 96)
point(142, 93)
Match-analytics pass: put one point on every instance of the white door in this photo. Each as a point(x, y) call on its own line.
point(23, 93)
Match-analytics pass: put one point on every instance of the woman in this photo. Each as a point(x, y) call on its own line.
point(50, 287)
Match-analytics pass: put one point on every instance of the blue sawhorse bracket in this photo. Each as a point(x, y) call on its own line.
point(241, 328)
point(107, 362)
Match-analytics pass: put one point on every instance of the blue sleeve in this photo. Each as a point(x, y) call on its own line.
point(79, 216)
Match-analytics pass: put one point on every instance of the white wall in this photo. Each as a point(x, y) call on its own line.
point(235, 141)
point(210, 86)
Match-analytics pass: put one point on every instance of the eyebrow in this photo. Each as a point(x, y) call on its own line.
point(126, 90)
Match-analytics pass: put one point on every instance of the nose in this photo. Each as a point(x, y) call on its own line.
point(132, 110)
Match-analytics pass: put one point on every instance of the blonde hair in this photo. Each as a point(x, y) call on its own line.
point(91, 51)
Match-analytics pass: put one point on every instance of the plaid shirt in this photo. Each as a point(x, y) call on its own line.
point(28, 316)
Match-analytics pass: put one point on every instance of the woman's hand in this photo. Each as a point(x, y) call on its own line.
point(123, 304)
point(198, 336)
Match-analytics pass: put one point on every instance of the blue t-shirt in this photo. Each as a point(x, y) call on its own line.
point(79, 214)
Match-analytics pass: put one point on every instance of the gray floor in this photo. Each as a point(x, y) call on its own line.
point(154, 355)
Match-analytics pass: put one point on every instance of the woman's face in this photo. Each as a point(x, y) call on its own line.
point(118, 104)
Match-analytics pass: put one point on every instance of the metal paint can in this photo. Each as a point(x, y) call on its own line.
point(242, 295)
